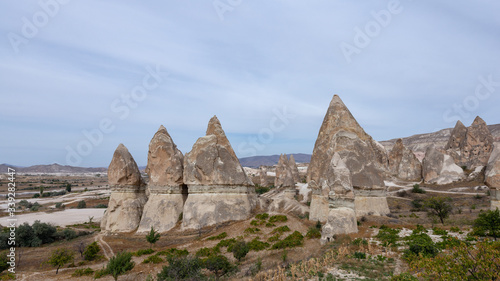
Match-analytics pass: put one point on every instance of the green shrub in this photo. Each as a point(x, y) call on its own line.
point(261, 189)
point(240, 250)
point(252, 230)
point(274, 238)
point(404, 277)
point(36, 195)
point(173, 252)
point(181, 268)
point(257, 222)
point(438, 231)
point(455, 229)
point(420, 244)
point(81, 204)
point(359, 242)
point(281, 229)
point(417, 189)
point(388, 236)
point(69, 234)
point(206, 252)
point(101, 206)
point(44, 231)
point(91, 251)
point(219, 265)
point(487, 224)
point(60, 205)
point(142, 252)
point(218, 237)
point(226, 243)
point(359, 255)
point(313, 233)
point(270, 224)
point(83, 272)
point(419, 229)
point(263, 216)
point(153, 259)
point(256, 245)
point(293, 240)
point(278, 218)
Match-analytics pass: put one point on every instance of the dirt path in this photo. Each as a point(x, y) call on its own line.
point(107, 250)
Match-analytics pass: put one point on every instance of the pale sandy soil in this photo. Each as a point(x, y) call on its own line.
point(61, 218)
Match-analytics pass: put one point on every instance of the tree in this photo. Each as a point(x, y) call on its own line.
point(68, 187)
point(81, 248)
point(120, 264)
point(44, 231)
point(488, 224)
point(462, 262)
point(218, 264)
point(181, 268)
point(152, 237)
point(438, 207)
point(3, 261)
point(240, 250)
point(60, 257)
point(25, 236)
point(91, 251)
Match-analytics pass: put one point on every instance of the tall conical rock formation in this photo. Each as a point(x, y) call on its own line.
point(127, 193)
point(293, 167)
point(439, 168)
point(403, 164)
point(364, 157)
point(166, 193)
point(457, 136)
point(219, 189)
point(284, 175)
point(477, 146)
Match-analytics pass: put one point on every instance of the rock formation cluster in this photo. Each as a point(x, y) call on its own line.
point(403, 164)
point(205, 187)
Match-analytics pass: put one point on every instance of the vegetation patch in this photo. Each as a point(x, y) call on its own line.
point(293, 240)
point(218, 237)
point(278, 218)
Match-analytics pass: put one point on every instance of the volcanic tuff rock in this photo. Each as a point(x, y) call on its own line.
point(219, 189)
point(340, 221)
point(457, 136)
point(127, 193)
point(284, 175)
point(364, 157)
point(403, 163)
point(439, 168)
point(165, 170)
point(293, 167)
point(263, 176)
point(493, 177)
point(340, 132)
point(477, 145)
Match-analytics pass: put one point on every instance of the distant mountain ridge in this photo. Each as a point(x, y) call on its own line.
point(257, 161)
point(51, 168)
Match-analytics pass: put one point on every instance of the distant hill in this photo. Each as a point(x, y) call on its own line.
point(51, 169)
point(419, 143)
point(257, 161)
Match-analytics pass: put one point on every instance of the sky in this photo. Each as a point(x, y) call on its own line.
point(79, 77)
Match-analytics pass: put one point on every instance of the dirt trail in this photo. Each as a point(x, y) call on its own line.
point(107, 250)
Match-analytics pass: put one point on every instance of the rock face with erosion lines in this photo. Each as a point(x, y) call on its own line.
point(439, 168)
point(365, 158)
point(219, 189)
point(403, 164)
point(167, 191)
point(127, 193)
point(493, 177)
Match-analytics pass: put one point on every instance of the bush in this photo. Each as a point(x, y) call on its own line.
point(218, 264)
point(4, 261)
point(68, 187)
point(263, 216)
point(278, 218)
point(420, 245)
point(359, 255)
point(120, 264)
point(256, 245)
point(388, 236)
point(281, 229)
point(69, 234)
point(257, 222)
point(173, 252)
point(36, 195)
point(83, 272)
point(359, 242)
point(404, 277)
point(270, 224)
point(60, 205)
point(274, 238)
point(100, 273)
point(487, 224)
point(438, 231)
point(153, 259)
point(293, 240)
point(101, 206)
point(218, 237)
point(252, 230)
point(25, 236)
point(313, 233)
point(417, 189)
point(181, 268)
point(44, 231)
point(240, 250)
point(91, 251)
point(142, 252)
point(261, 189)
point(226, 243)
point(81, 204)
point(206, 252)
point(60, 257)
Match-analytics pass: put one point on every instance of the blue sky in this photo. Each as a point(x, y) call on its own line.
point(79, 77)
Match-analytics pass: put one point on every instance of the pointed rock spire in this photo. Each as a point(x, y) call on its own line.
point(165, 161)
point(457, 136)
point(478, 145)
point(123, 170)
point(293, 167)
point(403, 163)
